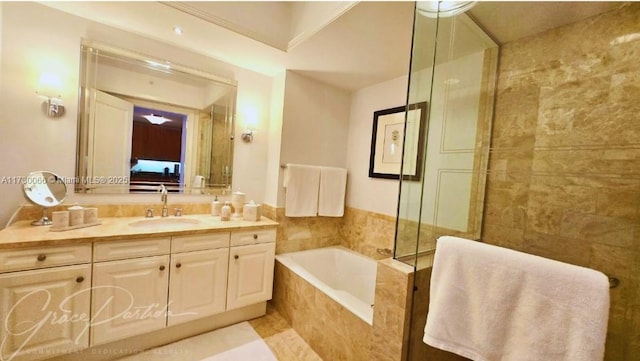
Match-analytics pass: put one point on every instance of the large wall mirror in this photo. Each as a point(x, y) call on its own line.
point(145, 122)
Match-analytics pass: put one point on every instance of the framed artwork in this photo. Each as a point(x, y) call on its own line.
point(387, 142)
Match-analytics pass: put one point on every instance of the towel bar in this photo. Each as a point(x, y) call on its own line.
point(613, 282)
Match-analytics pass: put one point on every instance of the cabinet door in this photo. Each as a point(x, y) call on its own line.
point(129, 298)
point(198, 284)
point(250, 274)
point(44, 312)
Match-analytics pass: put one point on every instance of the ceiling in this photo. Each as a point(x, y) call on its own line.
point(372, 41)
point(507, 21)
point(350, 45)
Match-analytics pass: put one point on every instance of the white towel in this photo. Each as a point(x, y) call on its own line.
point(197, 186)
point(489, 303)
point(302, 183)
point(333, 186)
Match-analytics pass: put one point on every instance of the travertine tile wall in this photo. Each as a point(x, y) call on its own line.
point(359, 230)
point(366, 232)
point(302, 233)
point(564, 172)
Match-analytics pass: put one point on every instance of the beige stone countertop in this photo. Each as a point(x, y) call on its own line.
point(23, 234)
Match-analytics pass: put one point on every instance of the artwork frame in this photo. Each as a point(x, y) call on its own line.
point(390, 127)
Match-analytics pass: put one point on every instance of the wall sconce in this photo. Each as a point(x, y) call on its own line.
point(49, 84)
point(247, 136)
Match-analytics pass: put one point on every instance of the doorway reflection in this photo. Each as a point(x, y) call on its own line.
point(157, 148)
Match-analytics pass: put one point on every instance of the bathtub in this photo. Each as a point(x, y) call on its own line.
point(347, 277)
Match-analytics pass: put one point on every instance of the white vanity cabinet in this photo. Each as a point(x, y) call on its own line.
point(129, 298)
point(251, 262)
point(64, 298)
point(45, 295)
point(198, 283)
point(163, 282)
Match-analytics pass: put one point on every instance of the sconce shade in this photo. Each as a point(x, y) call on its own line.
point(50, 87)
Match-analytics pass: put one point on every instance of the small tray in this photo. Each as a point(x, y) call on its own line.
point(68, 228)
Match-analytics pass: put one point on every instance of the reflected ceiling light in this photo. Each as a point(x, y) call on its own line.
point(443, 9)
point(156, 119)
point(177, 30)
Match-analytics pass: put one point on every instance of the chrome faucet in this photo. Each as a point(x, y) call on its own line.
point(163, 198)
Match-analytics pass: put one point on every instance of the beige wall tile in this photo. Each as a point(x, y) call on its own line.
point(564, 128)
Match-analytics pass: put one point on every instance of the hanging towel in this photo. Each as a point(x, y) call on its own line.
point(333, 186)
point(489, 303)
point(302, 183)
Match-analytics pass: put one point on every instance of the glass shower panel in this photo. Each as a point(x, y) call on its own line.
point(456, 76)
point(453, 69)
point(410, 199)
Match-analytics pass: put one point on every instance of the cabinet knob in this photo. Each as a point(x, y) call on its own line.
point(236, 256)
point(42, 257)
point(162, 268)
point(80, 279)
point(255, 236)
point(178, 265)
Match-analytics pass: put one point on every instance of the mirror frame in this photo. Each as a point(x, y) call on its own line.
point(111, 185)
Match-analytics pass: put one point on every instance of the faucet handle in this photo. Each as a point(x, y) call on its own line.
point(178, 212)
point(149, 213)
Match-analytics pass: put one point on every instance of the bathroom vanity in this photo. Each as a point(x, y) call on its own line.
point(174, 277)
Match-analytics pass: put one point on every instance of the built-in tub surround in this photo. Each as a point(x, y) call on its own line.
point(366, 232)
point(359, 230)
point(333, 330)
point(302, 233)
point(349, 278)
point(563, 174)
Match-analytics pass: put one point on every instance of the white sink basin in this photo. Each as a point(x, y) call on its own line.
point(164, 223)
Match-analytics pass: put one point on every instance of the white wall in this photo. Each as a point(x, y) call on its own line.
point(315, 124)
point(371, 194)
point(1, 5)
point(36, 38)
point(253, 112)
point(309, 17)
point(451, 139)
point(274, 173)
point(29, 141)
point(132, 83)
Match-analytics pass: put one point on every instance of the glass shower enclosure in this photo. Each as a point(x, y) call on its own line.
point(444, 168)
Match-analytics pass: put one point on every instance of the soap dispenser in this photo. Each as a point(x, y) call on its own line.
point(215, 207)
point(225, 212)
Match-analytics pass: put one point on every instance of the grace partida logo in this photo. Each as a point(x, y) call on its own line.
point(43, 313)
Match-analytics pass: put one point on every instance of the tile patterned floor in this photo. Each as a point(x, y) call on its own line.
point(282, 340)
